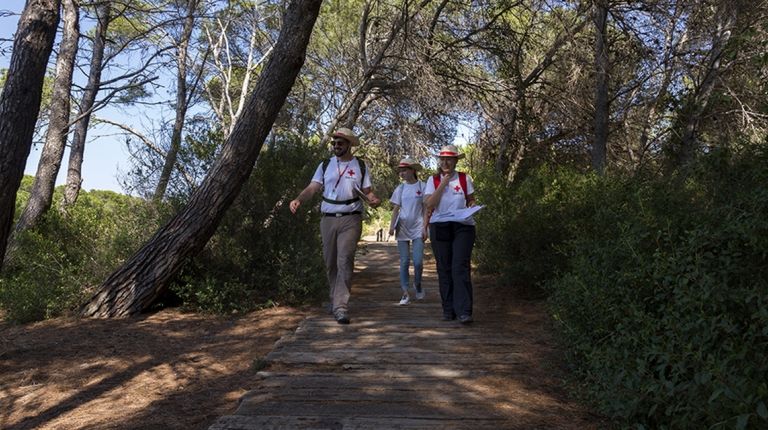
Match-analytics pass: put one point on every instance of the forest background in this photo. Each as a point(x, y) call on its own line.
point(620, 148)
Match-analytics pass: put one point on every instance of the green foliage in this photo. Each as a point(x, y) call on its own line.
point(261, 252)
point(659, 286)
point(663, 300)
point(518, 237)
point(56, 264)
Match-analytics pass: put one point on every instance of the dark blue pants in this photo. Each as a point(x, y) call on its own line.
point(452, 244)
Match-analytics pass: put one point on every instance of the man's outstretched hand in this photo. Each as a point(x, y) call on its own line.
point(294, 205)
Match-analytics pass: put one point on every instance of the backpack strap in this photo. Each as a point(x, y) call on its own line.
point(361, 163)
point(462, 182)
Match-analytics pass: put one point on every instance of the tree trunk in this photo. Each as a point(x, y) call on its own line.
point(508, 128)
point(135, 285)
point(699, 101)
point(181, 102)
point(20, 101)
point(77, 150)
point(601, 89)
point(58, 126)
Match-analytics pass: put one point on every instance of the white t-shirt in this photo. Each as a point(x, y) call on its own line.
point(453, 196)
point(339, 183)
point(410, 219)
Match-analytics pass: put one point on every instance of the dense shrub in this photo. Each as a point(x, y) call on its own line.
point(520, 232)
point(261, 253)
point(56, 265)
point(663, 300)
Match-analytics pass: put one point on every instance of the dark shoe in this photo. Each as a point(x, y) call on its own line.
point(465, 319)
point(449, 317)
point(341, 317)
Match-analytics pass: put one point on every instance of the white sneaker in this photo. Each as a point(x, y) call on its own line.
point(419, 293)
point(405, 300)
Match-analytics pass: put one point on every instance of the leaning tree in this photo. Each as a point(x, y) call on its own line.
point(20, 101)
point(136, 284)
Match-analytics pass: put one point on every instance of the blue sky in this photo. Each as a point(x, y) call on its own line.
point(105, 153)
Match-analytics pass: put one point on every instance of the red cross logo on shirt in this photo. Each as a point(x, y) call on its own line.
point(456, 188)
point(351, 173)
point(418, 193)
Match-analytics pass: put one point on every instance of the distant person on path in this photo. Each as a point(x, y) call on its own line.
point(408, 226)
point(343, 181)
point(452, 241)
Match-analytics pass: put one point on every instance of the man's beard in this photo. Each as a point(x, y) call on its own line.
point(340, 151)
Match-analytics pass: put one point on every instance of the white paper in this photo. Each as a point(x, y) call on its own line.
point(361, 194)
point(458, 215)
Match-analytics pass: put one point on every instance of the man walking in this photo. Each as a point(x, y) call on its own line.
point(343, 180)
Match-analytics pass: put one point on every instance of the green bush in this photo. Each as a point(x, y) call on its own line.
point(520, 232)
point(663, 299)
point(261, 253)
point(56, 264)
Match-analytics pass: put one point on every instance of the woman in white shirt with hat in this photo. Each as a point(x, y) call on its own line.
point(452, 241)
point(408, 226)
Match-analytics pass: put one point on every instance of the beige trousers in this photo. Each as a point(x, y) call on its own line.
point(340, 236)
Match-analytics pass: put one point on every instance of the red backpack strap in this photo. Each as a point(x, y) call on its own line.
point(436, 180)
point(463, 182)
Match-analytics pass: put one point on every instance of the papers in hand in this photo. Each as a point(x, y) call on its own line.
point(458, 215)
point(361, 194)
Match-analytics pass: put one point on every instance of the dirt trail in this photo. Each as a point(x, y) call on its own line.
point(403, 367)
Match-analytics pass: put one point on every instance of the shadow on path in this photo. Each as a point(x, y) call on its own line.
point(403, 367)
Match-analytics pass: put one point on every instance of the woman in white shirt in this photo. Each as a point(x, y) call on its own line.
point(452, 241)
point(408, 226)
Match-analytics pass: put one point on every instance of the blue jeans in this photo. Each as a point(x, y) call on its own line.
point(403, 246)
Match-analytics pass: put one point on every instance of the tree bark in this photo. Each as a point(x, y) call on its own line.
point(181, 102)
point(699, 100)
point(135, 285)
point(77, 150)
point(58, 125)
point(600, 141)
point(20, 101)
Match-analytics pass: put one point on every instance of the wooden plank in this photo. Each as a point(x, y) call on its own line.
point(328, 407)
point(365, 391)
point(411, 372)
point(271, 422)
point(421, 336)
point(394, 357)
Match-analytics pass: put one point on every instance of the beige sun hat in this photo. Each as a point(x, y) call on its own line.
point(347, 134)
point(410, 162)
point(450, 151)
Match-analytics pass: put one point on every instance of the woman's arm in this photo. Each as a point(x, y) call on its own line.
point(395, 213)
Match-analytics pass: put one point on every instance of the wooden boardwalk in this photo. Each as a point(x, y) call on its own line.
point(402, 367)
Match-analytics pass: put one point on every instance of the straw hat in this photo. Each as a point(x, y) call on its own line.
point(450, 151)
point(410, 162)
point(347, 134)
